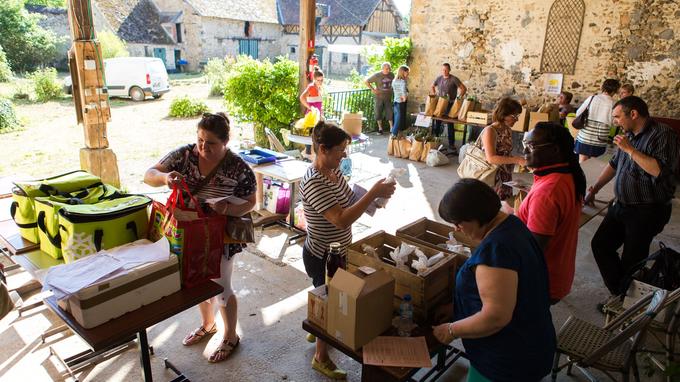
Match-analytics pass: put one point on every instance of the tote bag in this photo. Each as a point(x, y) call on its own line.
point(474, 165)
point(194, 236)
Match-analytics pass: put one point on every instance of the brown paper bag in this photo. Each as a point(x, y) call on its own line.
point(416, 150)
point(430, 105)
point(427, 146)
point(390, 146)
point(468, 105)
point(396, 148)
point(404, 148)
point(442, 105)
point(455, 109)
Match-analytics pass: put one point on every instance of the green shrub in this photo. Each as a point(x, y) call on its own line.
point(48, 3)
point(8, 117)
point(22, 89)
point(185, 107)
point(112, 45)
point(45, 84)
point(264, 93)
point(5, 69)
point(217, 71)
point(397, 52)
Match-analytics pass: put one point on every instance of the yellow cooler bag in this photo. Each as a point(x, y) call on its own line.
point(85, 229)
point(47, 209)
point(22, 208)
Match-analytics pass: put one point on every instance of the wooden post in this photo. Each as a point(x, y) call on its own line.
point(90, 94)
point(307, 43)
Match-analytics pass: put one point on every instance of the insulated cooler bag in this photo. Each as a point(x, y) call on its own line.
point(47, 208)
point(22, 208)
point(85, 229)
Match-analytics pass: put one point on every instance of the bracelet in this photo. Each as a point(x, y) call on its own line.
point(453, 336)
point(630, 155)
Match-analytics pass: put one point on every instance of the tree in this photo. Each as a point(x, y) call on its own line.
point(48, 3)
point(112, 45)
point(263, 93)
point(26, 44)
point(397, 52)
point(5, 69)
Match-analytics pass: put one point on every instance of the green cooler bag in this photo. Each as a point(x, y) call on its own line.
point(47, 208)
point(85, 229)
point(22, 208)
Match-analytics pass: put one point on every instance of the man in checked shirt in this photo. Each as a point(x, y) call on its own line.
point(643, 169)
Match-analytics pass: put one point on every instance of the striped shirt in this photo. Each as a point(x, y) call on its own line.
point(399, 87)
point(633, 185)
point(318, 195)
point(596, 131)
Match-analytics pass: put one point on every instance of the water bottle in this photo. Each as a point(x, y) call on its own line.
point(335, 258)
point(405, 316)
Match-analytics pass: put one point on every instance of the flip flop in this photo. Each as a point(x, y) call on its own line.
point(198, 335)
point(224, 347)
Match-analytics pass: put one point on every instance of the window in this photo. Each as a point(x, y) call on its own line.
point(178, 31)
point(147, 51)
point(291, 49)
point(562, 36)
point(247, 29)
point(345, 58)
point(248, 47)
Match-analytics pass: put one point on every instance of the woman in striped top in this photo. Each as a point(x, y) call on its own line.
point(327, 202)
point(592, 140)
point(400, 97)
point(231, 177)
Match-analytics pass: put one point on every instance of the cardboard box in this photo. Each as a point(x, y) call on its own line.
point(536, 117)
point(428, 290)
point(359, 306)
point(352, 123)
point(480, 117)
point(522, 121)
point(317, 306)
point(573, 131)
point(431, 234)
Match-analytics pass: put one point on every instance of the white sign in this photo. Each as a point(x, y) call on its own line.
point(553, 83)
point(423, 121)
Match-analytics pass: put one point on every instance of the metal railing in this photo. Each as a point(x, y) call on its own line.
point(353, 101)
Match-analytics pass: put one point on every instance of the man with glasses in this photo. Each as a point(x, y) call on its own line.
point(552, 209)
point(643, 170)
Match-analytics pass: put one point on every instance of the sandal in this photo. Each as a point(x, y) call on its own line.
point(329, 369)
point(225, 347)
point(197, 335)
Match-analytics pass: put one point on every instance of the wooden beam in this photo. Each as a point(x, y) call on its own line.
point(307, 42)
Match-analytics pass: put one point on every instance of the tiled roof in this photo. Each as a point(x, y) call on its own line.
point(342, 12)
point(136, 21)
point(263, 11)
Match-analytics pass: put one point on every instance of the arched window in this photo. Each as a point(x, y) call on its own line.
point(562, 36)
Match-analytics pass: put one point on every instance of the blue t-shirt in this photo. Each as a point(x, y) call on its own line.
point(524, 349)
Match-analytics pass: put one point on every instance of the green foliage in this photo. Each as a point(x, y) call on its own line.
point(112, 45)
point(356, 80)
point(186, 107)
point(48, 3)
point(8, 117)
point(45, 84)
point(5, 69)
point(22, 90)
point(217, 71)
point(397, 52)
point(263, 93)
point(26, 44)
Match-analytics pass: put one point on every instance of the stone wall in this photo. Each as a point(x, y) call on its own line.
point(495, 47)
point(220, 38)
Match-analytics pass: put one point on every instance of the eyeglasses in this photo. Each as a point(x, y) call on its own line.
point(515, 116)
point(532, 146)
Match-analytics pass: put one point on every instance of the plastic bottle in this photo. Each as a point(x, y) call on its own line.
point(405, 316)
point(390, 179)
point(335, 258)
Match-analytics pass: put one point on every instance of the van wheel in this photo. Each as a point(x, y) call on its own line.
point(137, 94)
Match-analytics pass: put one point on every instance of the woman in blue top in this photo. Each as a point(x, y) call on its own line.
point(501, 301)
point(400, 97)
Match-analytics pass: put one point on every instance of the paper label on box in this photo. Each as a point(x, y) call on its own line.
point(367, 270)
point(90, 64)
point(338, 335)
point(342, 303)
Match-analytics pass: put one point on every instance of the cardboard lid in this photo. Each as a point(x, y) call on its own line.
point(376, 280)
point(347, 282)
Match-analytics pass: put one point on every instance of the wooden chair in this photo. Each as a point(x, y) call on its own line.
point(611, 348)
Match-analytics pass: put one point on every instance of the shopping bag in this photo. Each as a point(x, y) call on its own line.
point(455, 108)
point(468, 105)
point(396, 149)
point(442, 107)
point(404, 148)
point(475, 165)
point(436, 158)
point(416, 150)
point(430, 105)
point(194, 236)
point(276, 197)
point(390, 145)
point(427, 146)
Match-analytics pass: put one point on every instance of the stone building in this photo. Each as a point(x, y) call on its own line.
point(346, 27)
point(496, 47)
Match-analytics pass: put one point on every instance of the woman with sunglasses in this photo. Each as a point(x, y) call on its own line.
point(497, 145)
point(330, 212)
point(552, 209)
point(501, 303)
point(230, 176)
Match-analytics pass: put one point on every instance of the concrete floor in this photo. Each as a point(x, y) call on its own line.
point(272, 290)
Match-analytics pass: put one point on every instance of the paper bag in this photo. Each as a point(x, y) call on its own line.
point(427, 146)
point(404, 148)
point(468, 105)
point(442, 105)
point(455, 109)
point(416, 150)
point(390, 146)
point(430, 105)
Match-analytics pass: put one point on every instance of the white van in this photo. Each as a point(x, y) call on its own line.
point(136, 77)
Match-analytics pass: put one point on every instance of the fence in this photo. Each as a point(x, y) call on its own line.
point(353, 101)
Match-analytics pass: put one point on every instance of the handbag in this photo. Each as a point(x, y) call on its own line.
point(582, 119)
point(475, 165)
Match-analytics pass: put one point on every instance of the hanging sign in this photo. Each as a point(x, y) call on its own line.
point(553, 83)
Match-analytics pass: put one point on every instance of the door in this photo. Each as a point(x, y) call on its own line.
point(248, 47)
point(159, 53)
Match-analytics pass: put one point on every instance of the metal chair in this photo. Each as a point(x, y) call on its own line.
point(276, 145)
point(607, 349)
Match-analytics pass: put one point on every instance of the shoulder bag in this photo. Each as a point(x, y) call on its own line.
point(582, 119)
point(475, 165)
